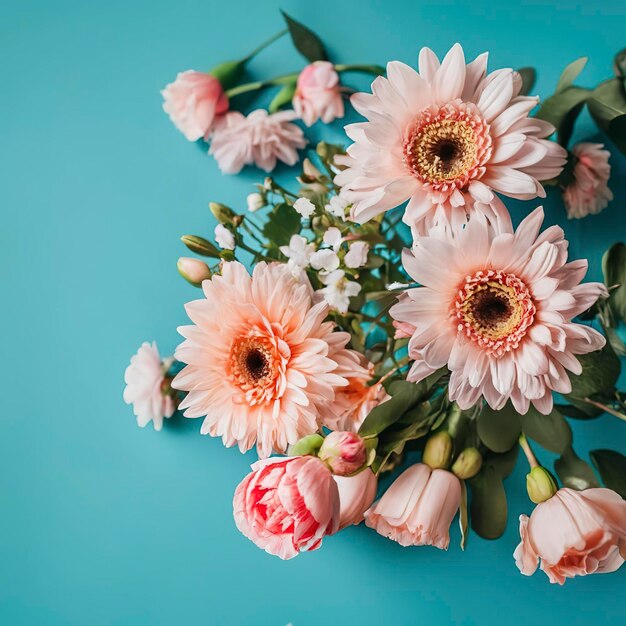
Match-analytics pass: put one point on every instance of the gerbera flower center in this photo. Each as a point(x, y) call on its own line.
point(494, 309)
point(255, 366)
point(446, 147)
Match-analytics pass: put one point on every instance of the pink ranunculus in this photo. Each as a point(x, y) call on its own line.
point(574, 533)
point(192, 101)
point(356, 494)
point(318, 94)
point(418, 508)
point(588, 193)
point(287, 505)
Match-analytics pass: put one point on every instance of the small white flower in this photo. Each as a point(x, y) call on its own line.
point(332, 238)
point(394, 286)
point(224, 238)
point(357, 254)
point(337, 206)
point(325, 260)
point(255, 202)
point(338, 290)
point(304, 206)
point(298, 252)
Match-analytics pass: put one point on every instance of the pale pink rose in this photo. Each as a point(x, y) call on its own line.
point(192, 101)
point(356, 494)
point(147, 386)
point(343, 452)
point(446, 139)
point(588, 193)
point(318, 94)
point(193, 270)
point(354, 402)
point(287, 505)
point(498, 313)
point(263, 365)
point(260, 138)
point(418, 508)
point(574, 533)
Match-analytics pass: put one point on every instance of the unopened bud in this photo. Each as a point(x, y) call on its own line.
point(540, 484)
point(193, 271)
point(438, 451)
point(345, 453)
point(255, 202)
point(225, 215)
point(200, 246)
point(467, 464)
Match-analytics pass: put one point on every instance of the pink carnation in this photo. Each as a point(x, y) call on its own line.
point(318, 94)
point(260, 139)
point(262, 364)
point(574, 533)
point(588, 193)
point(192, 101)
point(287, 505)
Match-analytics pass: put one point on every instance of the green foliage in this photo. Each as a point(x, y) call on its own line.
point(488, 508)
point(283, 222)
point(283, 97)
point(529, 76)
point(612, 468)
point(600, 373)
point(200, 246)
point(551, 431)
point(308, 44)
point(607, 106)
point(574, 472)
point(499, 430)
point(614, 270)
point(570, 74)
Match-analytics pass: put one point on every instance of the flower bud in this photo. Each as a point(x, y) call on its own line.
point(200, 245)
point(345, 453)
point(255, 202)
point(540, 484)
point(225, 215)
point(193, 271)
point(307, 445)
point(438, 451)
point(467, 464)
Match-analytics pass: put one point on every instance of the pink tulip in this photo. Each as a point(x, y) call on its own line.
point(418, 508)
point(318, 94)
point(356, 494)
point(287, 505)
point(192, 101)
point(574, 533)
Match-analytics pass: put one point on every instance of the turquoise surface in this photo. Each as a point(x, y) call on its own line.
point(103, 523)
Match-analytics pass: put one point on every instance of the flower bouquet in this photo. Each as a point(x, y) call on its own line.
point(393, 310)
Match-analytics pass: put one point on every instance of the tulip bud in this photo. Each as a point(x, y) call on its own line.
point(438, 451)
point(467, 464)
point(200, 246)
point(540, 484)
point(345, 453)
point(255, 202)
point(225, 215)
point(193, 271)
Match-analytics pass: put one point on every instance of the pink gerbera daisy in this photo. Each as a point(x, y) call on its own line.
point(445, 139)
point(262, 364)
point(497, 309)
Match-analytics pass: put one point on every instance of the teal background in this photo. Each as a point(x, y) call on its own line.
point(103, 523)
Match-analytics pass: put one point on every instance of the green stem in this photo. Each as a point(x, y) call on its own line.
point(265, 44)
point(377, 70)
point(530, 455)
point(606, 408)
point(262, 84)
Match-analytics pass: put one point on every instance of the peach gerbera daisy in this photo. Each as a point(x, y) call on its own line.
point(445, 139)
point(498, 312)
point(262, 364)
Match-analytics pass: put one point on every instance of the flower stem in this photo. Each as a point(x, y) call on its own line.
point(265, 44)
point(378, 70)
point(262, 84)
point(605, 408)
point(530, 455)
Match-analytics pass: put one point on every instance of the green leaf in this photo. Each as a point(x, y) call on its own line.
point(499, 430)
point(617, 132)
point(404, 396)
point(282, 224)
point(614, 270)
point(570, 73)
point(557, 107)
point(463, 515)
point(283, 97)
point(600, 373)
point(503, 464)
point(620, 63)
point(488, 508)
point(574, 472)
point(567, 127)
point(551, 431)
point(529, 76)
point(578, 410)
point(305, 40)
point(607, 106)
point(612, 468)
